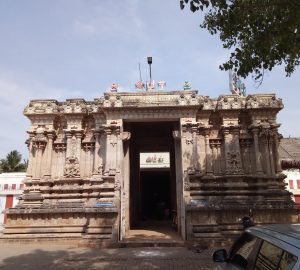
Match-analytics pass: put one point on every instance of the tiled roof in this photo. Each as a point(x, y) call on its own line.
point(289, 149)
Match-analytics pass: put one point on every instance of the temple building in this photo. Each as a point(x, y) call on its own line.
point(99, 169)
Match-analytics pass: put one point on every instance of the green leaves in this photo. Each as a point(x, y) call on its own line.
point(262, 34)
point(12, 163)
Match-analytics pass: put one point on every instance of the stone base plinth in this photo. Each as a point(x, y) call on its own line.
point(74, 223)
point(215, 226)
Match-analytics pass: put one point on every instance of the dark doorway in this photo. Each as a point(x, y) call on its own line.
point(152, 190)
point(155, 195)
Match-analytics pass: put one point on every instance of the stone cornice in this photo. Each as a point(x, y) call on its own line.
point(175, 100)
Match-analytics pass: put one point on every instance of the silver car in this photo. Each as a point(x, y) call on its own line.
point(269, 247)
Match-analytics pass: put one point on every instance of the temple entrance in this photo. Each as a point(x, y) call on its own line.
point(153, 198)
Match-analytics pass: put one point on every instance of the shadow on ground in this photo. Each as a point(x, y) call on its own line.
point(105, 259)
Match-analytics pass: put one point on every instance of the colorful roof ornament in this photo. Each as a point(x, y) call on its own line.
point(139, 85)
point(161, 85)
point(114, 87)
point(150, 85)
point(236, 86)
point(187, 86)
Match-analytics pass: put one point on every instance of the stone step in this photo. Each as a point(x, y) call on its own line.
point(145, 243)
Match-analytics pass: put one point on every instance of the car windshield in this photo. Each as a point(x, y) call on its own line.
point(240, 253)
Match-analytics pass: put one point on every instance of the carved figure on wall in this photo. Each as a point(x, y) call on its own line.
point(88, 125)
point(186, 181)
point(234, 163)
point(71, 167)
point(100, 169)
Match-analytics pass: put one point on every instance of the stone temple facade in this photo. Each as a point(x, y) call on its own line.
point(84, 181)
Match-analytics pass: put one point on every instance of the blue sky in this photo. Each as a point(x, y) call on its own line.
point(76, 48)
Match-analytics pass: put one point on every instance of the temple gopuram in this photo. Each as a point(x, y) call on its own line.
point(85, 180)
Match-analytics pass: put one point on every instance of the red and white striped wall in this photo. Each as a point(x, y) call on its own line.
point(11, 188)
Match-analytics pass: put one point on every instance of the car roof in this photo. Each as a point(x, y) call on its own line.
point(288, 233)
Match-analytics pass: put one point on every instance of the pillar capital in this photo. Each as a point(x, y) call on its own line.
point(205, 129)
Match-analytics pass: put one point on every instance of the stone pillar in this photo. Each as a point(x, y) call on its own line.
point(214, 157)
point(97, 166)
point(245, 149)
point(39, 143)
point(50, 137)
point(267, 155)
point(257, 152)
point(69, 143)
point(208, 152)
point(84, 160)
point(29, 172)
point(236, 139)
point(278, 168)
point(56, 161)
point(40, 147)
point(219, 158)
point(272, 165)
point(112, 131)
point(226, 148)
point(189, 145)
point(78, 135)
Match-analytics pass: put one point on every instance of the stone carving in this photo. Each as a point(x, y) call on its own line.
point(188, 129)
point(99, 170)
point(42, 107)
point(39, 141)
point(186, 181)
point(263, 101)
point(233, 163)
point(230, 102)
point(71, 167)
point(208, 103)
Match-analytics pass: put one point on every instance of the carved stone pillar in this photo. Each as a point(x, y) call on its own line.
point(59, 160)
point(214, 157)
point(97, 170)
point(30, 161)
point(69, 143)
point(278, 168)
point(219, 156)
point(78, 135)
point(189, 144)
point(39, 143)
point(265, 143)
point(125, 137)
point(226, 148)
point(50, 137)
point(232, 150)
point(246, 156)
point(112, 131)
point(272, 165)
point(257, 152)
point(208, 152)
